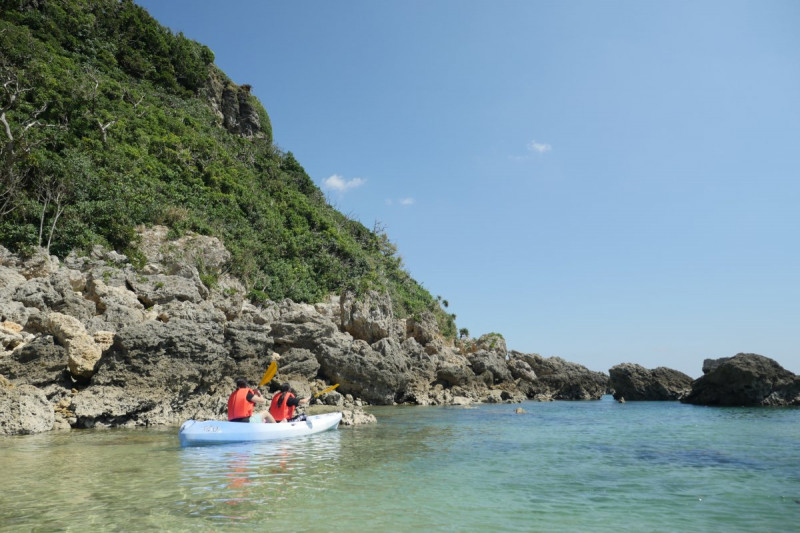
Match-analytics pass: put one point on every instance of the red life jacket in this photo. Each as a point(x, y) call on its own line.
point(238, 406)
point(282, 411)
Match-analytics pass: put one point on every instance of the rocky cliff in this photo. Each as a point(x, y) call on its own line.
point(745, 379)
point(634, 382)
point(96, 341)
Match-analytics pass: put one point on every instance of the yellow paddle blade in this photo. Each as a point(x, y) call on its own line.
point(326, 390)
point(269, 374)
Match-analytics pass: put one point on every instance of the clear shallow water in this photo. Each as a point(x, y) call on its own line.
point(563, 466)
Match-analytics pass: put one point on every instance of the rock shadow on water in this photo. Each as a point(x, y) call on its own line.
point(623, 456)
point(696, 458)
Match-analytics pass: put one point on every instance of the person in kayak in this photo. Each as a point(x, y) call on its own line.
point(242, 402)
point(284, 403)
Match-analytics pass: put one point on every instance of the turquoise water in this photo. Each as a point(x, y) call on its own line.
point(562, 466)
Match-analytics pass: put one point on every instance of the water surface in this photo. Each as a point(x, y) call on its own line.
point(562, 466)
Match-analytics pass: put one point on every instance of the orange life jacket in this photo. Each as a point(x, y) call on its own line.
point(238, 406)
point(282, 411)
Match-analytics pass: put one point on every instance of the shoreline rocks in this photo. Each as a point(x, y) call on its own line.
point(632, 382)
point(92, 341)
point(746, 379)
point(108, 344)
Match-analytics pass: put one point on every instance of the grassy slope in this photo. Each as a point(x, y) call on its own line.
point(165, 158)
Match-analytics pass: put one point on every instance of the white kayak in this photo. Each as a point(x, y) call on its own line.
point(196, 432)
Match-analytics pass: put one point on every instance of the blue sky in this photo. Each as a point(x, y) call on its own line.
point(607, 182)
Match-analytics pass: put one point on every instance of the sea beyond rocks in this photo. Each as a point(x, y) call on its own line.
point(92, 341)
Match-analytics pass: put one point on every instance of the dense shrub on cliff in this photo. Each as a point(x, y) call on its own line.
point(110, 120)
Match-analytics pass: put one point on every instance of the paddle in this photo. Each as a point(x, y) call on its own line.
point(269, 374)
point(320, 393)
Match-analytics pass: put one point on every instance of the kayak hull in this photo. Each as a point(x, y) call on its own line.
point(196, 432)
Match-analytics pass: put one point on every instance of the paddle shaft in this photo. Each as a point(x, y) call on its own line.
point(320, 393)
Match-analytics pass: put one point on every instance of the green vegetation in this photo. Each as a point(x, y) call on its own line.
point(109, 120)
point(492, 338)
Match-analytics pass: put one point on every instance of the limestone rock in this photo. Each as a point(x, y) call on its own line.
point(490, 342)
point(229, 296)
point(82, 355)
point(156, 344)
point(462, 401)
point(521, 370)
point(82, 352)
point(104, 296)
point(423, 364)
point(361, 370)
point(301, 329)
point(454, 373)
point(63, 327)
point(561, 380)
point(745, 379)
point(239, 115)
point(206, 253)
point(103, 339)
point(712, 364)
point(369, 318)
point(38, 362)
point(332, 398)
point(186, 256)
point(24, 409)
point(247, 340)
point(635, 382)
point(38, 265)
point(46, 294)
point(299, 362)
point(10, 278)
point(494, 396)
point(115, 317)
point(357, 417)
point(11, 336)
point(14, 311)
point(7, 258)
point(330, 308)
point(162, 289)
point(10, 327)
point(423, 328)
point(492, 362)
point(105, 406)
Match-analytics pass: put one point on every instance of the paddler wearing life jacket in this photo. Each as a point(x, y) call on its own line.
point(284, 403)
point(242, 402)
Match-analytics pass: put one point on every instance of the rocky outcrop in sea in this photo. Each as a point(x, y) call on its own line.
point(746, 379)
point(632, 382)
point(96, 341)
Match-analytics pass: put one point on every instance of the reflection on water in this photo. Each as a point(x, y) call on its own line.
point(236, 481)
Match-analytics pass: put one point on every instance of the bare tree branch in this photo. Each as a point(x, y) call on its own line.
point(17, 145)
point(104, 128)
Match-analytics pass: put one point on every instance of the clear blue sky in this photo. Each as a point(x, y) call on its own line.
point(607, 182)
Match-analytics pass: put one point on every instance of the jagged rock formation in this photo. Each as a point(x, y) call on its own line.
point(94, 341)
point(745, 379)
point(633, 382)
point(556, 379)
point(234, 106)
point(25, 409)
